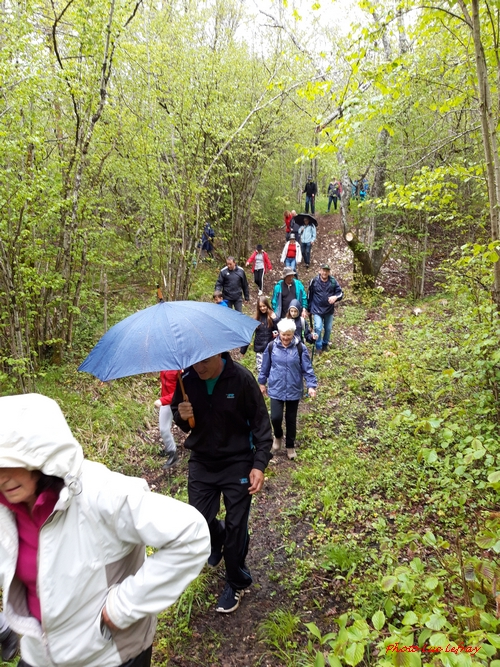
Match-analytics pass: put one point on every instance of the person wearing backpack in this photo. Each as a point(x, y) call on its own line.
point(324, 291)
point(285, 366)
point(302, 330)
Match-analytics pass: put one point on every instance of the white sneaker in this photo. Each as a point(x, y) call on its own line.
point(260, 293)
point(290, 452)
point(276, 444)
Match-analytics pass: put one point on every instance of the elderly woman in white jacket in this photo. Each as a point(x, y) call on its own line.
point(76, 583)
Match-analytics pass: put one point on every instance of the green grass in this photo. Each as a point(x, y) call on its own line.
point(394, 492)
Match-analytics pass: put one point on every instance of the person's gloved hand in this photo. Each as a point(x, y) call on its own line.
point(157, 403)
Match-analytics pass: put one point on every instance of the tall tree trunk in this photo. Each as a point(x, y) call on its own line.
point(489, 132)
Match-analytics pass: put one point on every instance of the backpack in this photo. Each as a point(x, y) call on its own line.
point(300, 349)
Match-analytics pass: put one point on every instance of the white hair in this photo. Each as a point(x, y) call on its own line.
point(286, 326)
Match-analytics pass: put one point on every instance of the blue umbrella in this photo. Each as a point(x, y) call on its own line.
point(169, 336)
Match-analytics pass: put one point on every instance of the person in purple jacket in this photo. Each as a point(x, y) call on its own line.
point(324, 291)
point(285, 366)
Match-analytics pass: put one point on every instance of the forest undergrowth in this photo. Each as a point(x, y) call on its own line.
point(380, 545)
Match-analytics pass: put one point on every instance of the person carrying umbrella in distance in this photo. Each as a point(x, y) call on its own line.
point(77, 584)
point(285, 366)
point(260, 262)
point(230, 446)
point(232, 282)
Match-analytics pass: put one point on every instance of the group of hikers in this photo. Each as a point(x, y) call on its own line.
point(78, 585)
point(360, 190)
point(227, 404)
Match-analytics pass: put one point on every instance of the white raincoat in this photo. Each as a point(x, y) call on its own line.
point(92, 548)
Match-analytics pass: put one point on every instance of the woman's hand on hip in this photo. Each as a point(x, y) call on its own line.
point(107, 621)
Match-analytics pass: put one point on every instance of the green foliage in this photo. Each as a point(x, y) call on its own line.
point(174, 623)
point(400, 477)
point(278, 632)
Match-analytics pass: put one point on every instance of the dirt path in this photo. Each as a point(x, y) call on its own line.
point(233, 640)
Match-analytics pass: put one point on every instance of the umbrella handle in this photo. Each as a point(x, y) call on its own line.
point(191, 420)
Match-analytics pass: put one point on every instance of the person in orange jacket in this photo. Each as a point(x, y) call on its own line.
point(261, 263)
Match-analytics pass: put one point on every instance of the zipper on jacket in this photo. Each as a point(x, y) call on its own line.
point(44, 632)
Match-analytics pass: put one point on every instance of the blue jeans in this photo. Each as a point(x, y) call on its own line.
point(306, 252)
point(310, 200)
point(292, 262)
point(320, 322)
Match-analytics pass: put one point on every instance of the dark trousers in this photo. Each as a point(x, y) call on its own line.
point(306, 253)
point(310, 200)
point(290, 409)
point(205, 487)
point(237, 304)
point(330, 200)
point(141, 660)
point(258, 278)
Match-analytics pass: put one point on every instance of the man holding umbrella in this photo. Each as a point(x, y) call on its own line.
point(230, 445)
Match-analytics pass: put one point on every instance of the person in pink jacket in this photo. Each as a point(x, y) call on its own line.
point(261, 263)
point(78, 583)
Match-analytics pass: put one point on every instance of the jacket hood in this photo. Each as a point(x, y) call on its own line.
point(295, 303)
point(34, 435)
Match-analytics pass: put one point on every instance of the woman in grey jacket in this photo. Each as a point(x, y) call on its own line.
point(285, 366)
point(77, 585)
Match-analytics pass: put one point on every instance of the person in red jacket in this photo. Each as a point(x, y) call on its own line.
point(260, 264)
point(168, 381)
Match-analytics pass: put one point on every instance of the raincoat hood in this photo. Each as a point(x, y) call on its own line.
point(294, 303)
point(34, 435)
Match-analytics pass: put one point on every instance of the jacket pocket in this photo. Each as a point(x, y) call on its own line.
point(102, 634)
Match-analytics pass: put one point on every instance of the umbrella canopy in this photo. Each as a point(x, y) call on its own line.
point(301, 218)
point(169, 336)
